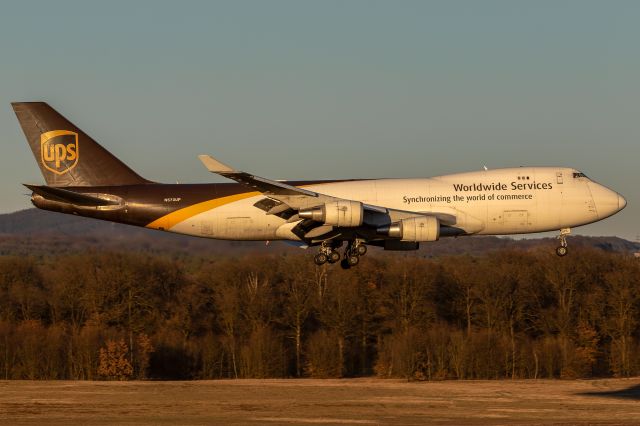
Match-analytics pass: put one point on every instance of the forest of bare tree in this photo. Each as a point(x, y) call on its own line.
point(505, 314)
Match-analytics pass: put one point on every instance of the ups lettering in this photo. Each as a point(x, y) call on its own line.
point(59, 152)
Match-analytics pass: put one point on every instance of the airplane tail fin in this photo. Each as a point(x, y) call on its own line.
point(66, 155)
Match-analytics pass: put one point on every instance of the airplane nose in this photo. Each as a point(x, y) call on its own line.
point(622, 203)
point(607, 202)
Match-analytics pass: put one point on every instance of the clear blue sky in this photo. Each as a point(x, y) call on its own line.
point(333, 89)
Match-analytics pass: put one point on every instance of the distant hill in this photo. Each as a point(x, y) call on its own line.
point(35, 231)
point(40, 232)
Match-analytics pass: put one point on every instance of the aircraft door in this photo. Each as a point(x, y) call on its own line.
point(516, 220)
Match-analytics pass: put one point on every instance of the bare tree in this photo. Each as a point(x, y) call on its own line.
point(298, 291)
point(622, 299)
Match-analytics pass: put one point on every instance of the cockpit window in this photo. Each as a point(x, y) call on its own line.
point(579, 175)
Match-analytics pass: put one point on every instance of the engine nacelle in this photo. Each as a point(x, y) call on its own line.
point(344, 213)
point(426, 228)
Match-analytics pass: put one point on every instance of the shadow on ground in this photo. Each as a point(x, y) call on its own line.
point(632, 392)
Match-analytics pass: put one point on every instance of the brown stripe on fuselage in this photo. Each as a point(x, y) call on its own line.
point(146, 204)
point(170, 220)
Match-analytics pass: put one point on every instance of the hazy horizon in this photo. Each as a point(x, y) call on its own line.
point(320, 90)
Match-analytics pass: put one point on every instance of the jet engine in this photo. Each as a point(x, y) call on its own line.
point(345, 213)
point(425, 228)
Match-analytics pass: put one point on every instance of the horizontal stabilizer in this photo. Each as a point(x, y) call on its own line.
point(71, 197)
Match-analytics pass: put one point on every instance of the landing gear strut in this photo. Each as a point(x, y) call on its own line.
point(562, 249)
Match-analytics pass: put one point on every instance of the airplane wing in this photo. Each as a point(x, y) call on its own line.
point(286, 200)
point(294, 197)
point(266, 186)
point(288, 196)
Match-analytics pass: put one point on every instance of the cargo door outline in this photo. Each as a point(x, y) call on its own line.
point(516, 219)
point(206, 227)
point(238, 226)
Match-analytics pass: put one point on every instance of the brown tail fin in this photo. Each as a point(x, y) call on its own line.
point(66, 155)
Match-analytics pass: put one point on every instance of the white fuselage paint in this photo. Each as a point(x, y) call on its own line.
point(493, 202)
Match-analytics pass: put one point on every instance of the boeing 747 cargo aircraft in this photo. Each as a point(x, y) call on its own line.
point(83, 178)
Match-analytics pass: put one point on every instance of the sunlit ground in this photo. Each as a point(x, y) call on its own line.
point(355, 401)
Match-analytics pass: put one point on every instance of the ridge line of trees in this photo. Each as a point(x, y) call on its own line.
point(507, 314)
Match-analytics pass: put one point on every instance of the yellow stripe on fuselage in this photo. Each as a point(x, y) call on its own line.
point(170, 220)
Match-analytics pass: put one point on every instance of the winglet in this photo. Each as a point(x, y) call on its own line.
point(266, 186)
point(215, 166)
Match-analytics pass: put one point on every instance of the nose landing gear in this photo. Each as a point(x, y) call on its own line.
point(562, 249)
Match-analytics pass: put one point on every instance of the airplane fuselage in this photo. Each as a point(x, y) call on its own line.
point(492, 202)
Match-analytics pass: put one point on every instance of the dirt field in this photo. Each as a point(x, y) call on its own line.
point(343, 402)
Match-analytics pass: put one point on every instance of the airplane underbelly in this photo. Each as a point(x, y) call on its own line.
point(238, 220)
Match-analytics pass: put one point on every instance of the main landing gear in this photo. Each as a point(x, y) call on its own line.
point(352, 254)
point(562, 249)
point(328, 253)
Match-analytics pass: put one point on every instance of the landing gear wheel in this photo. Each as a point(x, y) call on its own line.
point(320, 259)
point(361, 250)
point(344, 263)
point(334, 257)
point(562, 250)
point(353, 260)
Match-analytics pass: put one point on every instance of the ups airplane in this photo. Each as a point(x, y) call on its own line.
point(83, 178)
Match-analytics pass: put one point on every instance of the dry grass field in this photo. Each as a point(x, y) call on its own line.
point(330, 402)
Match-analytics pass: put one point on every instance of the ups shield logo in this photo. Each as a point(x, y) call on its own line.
point(59, 151)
